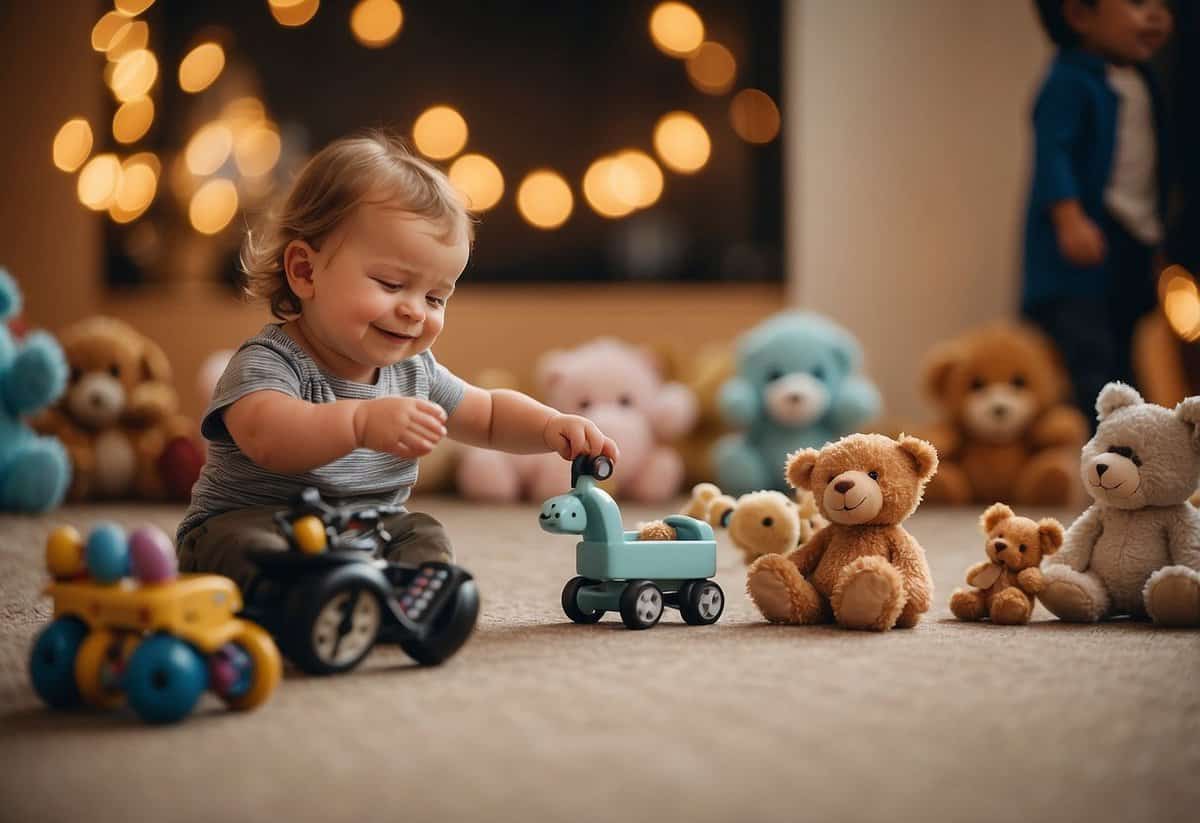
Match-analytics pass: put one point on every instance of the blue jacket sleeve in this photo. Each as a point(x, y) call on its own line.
point(1058, 121)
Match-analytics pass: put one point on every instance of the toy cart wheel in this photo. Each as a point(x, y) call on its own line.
point(641, 604)
point(98, 667)
point(164, 679)
point(450, 629)
point(701, 602)
point(602, 468)
point(332, 626)
point(570, 601)
point(265, 666)
point(52, 662)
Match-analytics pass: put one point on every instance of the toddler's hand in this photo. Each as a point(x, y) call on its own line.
point(1079, 238)
point(403, 426)
point(571, 435)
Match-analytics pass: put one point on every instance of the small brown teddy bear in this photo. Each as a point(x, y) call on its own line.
point(1006, 585)
point(1007, 432)
point(762, 522)
point(863, 570)
point(118, 418)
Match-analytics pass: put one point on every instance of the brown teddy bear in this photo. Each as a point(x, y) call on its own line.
point(762, 522)
point(863, 570)
point(1007, 433)
point(1005, 586)
point(118, 418)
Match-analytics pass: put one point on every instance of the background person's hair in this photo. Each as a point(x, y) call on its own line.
point(1054, 21)
point(338, 179)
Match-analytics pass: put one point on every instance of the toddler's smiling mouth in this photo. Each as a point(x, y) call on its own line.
point(394, 336)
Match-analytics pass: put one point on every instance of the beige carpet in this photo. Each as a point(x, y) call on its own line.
point(540, 719)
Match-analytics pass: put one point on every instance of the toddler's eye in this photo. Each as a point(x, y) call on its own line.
point(387, 285)
point(435, 301)
point(583, 404)
point(625, 400)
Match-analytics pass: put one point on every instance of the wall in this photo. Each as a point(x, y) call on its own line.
point(907, 151)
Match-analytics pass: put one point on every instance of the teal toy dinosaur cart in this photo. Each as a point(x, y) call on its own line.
point(620, 572)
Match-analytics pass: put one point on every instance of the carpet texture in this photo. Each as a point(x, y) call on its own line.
point(539, 719)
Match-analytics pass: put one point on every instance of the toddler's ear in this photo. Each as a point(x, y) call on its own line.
point(1050, 534)
point(995, 514)
point(298, 260)
point(799, 468)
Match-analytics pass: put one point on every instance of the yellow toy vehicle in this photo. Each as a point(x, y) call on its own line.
point(155, 638)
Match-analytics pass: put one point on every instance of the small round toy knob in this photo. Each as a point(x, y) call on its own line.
point(64, 553)
point(107, 553)
point(309, 532)
point(151, 555)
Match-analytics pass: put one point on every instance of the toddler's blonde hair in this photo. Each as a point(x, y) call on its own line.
point(337, 180)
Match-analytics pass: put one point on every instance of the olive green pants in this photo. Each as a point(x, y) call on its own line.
point(220, 544)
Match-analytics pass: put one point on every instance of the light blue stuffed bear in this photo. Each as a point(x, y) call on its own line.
point(34, 471)
point(795, 388)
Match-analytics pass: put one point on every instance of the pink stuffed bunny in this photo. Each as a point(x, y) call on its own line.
point(619, 387)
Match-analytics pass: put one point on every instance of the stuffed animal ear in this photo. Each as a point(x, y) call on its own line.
point(799, 468)
point(1050, 534)
point(720, 509)
point(550, 369)
point(10, 296)
point(1115, 396)
point(1188, 411)
point(995, 513)
point(923, 455)
point(155, 365)
point(939, 365)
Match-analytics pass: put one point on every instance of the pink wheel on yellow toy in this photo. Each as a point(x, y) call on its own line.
point(266, 667)
point(98, 666)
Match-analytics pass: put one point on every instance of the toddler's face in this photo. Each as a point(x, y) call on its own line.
point(381, 283)
point(1124, 31)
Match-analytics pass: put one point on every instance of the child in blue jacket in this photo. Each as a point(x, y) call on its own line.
point(1098, 197)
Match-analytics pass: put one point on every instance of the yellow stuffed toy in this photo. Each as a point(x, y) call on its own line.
point(762, 522)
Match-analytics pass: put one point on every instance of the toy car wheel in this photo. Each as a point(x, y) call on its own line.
point(164, 679)
point(98, 669)
point(264, 664)
point(333, 624)
point(449, 630)
point(52, 662)
point(701, 603)
point(570, 601)
point(641, 604)
point(602, 468)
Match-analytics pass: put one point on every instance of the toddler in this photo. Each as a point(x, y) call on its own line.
point(1097, 203)
point(344, 394)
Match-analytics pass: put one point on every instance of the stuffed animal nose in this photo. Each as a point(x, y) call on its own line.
point(795, 397)
point(843, 486)
point(1000, 546)
point(97, 400)
point(1101, 468)
point(999, 412)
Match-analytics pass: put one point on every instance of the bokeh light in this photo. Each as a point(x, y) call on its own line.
point(72, 144)
point(544, 199)
point(98, 181)
point(134, 75)
point(209, 148)
point(641, 184)
point(256, 149)
point(200, 67)
point(676, 29)
point(440, 132)
point(754, 116)
point(133, 120)
point(681, 142)
point(106, 30)
point(293, 13)
point(376, 23)
point(712, 68)
point(1181, 302)
point(130, 37)
point(133, 7)
point(213, 205)
point(138, 185)
point(600, 184)
point(479, 181)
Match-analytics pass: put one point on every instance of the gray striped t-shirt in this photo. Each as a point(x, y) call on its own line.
point(273, 360)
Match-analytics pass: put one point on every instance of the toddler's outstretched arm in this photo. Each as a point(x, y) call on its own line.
point(514, 422)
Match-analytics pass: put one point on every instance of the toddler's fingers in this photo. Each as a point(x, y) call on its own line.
point(430, 426)
point(610, 450)
point(431, 408)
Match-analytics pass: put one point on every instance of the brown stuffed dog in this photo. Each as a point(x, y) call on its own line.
point(763, 522)
point(1005, 586)
point(1007, 433)
point(863, 570)
point(118, 417)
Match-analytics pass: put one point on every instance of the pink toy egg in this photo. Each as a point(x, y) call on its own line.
point(151, 555)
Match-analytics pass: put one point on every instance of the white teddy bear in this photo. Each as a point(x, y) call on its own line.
point(1136, 550)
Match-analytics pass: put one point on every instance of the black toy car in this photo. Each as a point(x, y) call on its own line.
point(328, 599)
